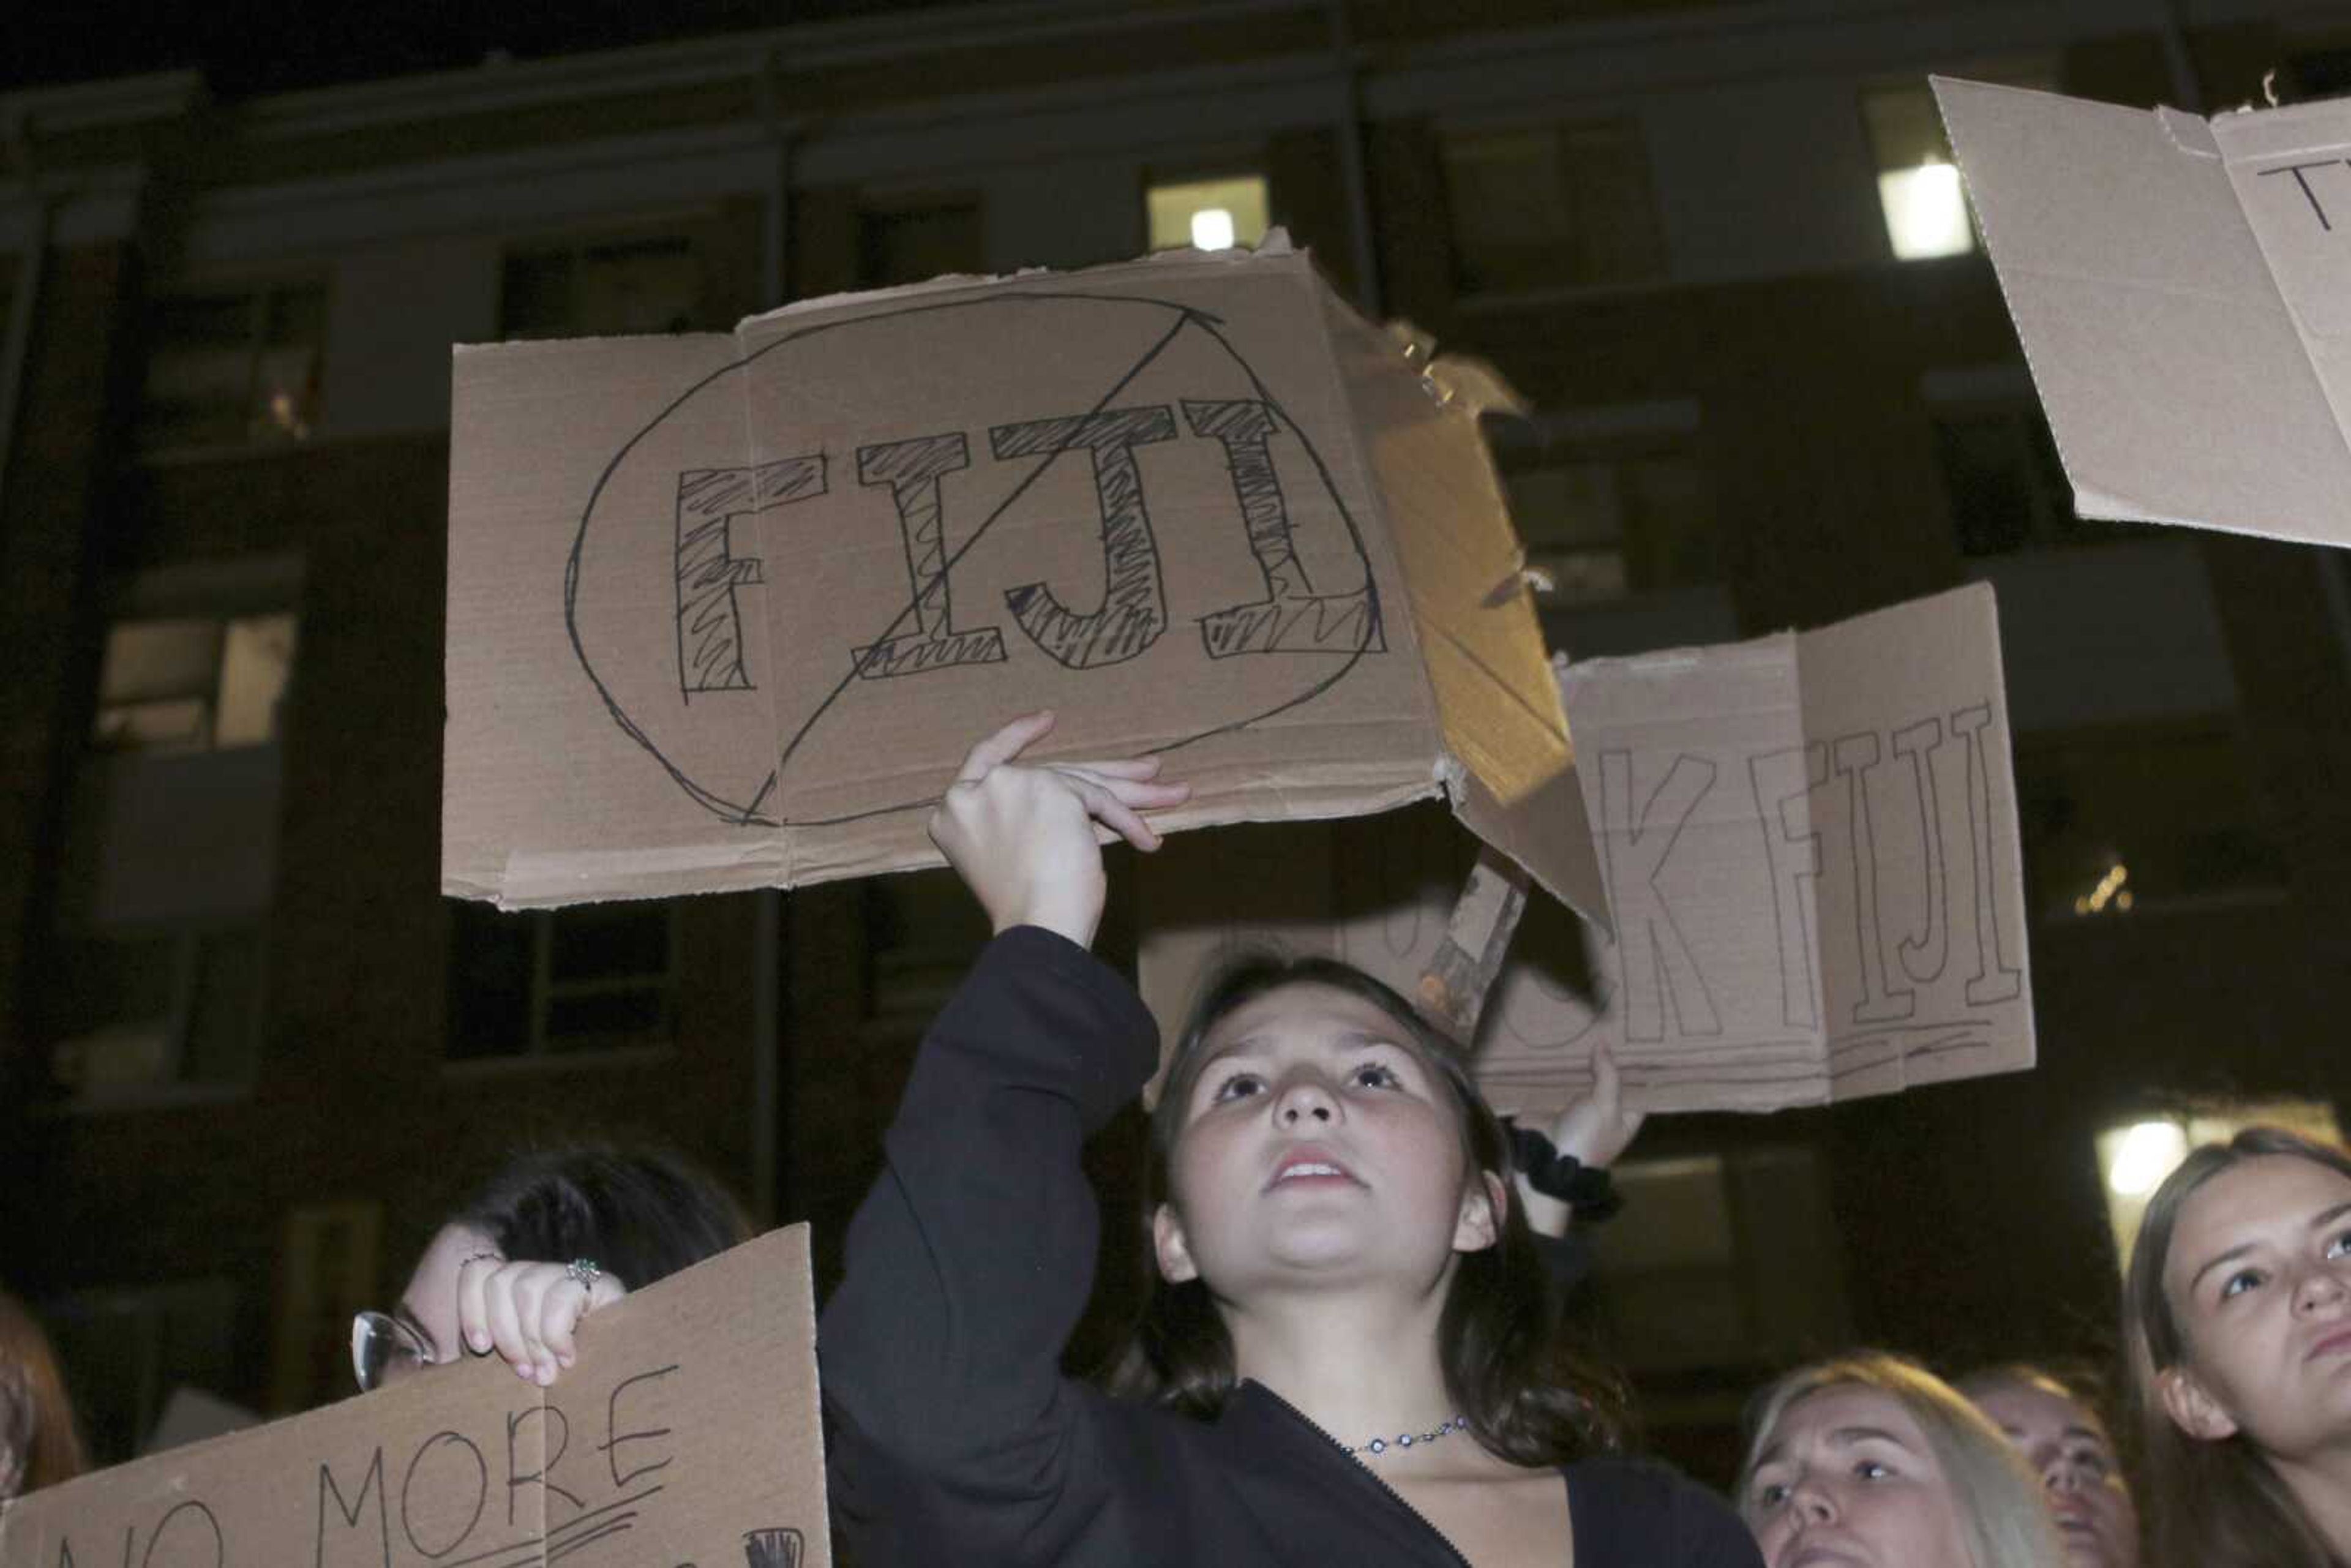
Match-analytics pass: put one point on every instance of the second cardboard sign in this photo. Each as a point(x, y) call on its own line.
point(1810, 843)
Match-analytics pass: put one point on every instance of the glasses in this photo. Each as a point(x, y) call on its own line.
point(385, 1350)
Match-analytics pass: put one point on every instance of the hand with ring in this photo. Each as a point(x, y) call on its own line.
point(530, 1312)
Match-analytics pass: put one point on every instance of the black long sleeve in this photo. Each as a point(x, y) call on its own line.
point(970, 1261)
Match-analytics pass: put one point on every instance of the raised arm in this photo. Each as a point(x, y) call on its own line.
point(971, 1258)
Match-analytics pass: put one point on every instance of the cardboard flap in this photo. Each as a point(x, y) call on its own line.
point(728, 613)
point(687, 1432)
point(2179, 288)
point(1497, 701)
point(1810, 849)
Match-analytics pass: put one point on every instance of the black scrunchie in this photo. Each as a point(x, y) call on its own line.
point(1584, 1188)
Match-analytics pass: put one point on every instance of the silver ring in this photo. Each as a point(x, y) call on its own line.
point(583, 1272)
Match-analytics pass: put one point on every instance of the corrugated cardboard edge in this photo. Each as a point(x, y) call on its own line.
point(1544, 829)
point(2087, 502)
point(2191, 137)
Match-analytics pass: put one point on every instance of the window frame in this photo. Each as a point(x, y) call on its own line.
point(536, 1051)
point(693, 226)
point(1467, 292)
point(260, 289)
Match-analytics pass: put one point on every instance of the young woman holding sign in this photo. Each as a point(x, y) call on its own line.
point(1353, 1349)
point(2237, 1312)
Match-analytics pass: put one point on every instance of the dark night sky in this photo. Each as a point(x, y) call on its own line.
point(250, 46)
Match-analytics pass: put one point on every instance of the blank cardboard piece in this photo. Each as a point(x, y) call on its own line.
point(687, 1432)
point(726, 611)
point(2182, 287)
point(1811, 848)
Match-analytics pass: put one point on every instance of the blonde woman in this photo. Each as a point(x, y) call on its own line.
point(1871, 1461)
point(39, 1445)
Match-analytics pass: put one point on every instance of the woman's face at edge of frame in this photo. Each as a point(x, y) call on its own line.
point(1316, 1142)
point(1847, 1478)
point(2258, 1279)
point(2067, 1447)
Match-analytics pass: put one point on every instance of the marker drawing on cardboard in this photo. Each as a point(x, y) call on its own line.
point(725, 611)
point(2182, 287)
point(687, 1432)
point(1811, 850)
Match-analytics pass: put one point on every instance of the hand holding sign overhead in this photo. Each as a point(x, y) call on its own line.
point(1022, 838)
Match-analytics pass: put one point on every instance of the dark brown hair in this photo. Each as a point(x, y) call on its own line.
point(1517, 1383)
point(641, 1213)
point(36, 1418)
point(2211, 1502)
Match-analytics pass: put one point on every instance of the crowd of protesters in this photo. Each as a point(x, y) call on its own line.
point(1355, 1348)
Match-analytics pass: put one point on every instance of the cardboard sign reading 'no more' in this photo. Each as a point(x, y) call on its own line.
point(2183, 291)
point(688, 1433)
point(726, 611)
point(1811, 848)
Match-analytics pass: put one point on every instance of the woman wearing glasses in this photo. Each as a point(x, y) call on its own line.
point(550, 1236)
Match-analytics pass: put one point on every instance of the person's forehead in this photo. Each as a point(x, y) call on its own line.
point(1305, 1010)
point(2036, 1411)
point(1826, 1413)
point(2269, 1199)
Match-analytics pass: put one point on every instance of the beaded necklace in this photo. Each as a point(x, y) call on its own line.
point(1406, 1439)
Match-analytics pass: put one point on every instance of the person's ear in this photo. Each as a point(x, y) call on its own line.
point(1484, 1205)
point(2193, 1408)
point(1170, 1246)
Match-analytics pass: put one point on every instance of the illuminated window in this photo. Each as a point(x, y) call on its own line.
point(194, 682)
point(1209, 214)
point(1917, 180)
point(543, 983)
point(1552, 206)
point(2136, 1156)
point(617, 287)
point(233, 368)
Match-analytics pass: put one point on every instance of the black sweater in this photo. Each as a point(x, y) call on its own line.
point(953, 1436)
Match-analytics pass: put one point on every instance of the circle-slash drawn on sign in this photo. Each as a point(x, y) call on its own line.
point(965, 497)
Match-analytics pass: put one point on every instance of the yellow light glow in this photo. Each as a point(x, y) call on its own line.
point(2149, 1152)
point(1212, 229)
point(1925, 212)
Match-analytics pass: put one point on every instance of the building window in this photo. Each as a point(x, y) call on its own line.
point(2000, 467)
point(538, 983)
point(194, 682)
point(1209, 214)
point(1918, 183)
point(922, 930)
point(917, 239)
point(1732, 1267)
point(1607, 513)
point(615, 287)
point(233, 368)
point(2119, 822)
point(2318, 73)
point(127, 1351)
point(1552, 206)
point(2136, 1156)
point(134, 1012)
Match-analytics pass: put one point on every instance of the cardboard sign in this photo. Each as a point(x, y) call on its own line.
point(2183, 291)
point(726, 611)
point(688, 1433)
point(1811, 846)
